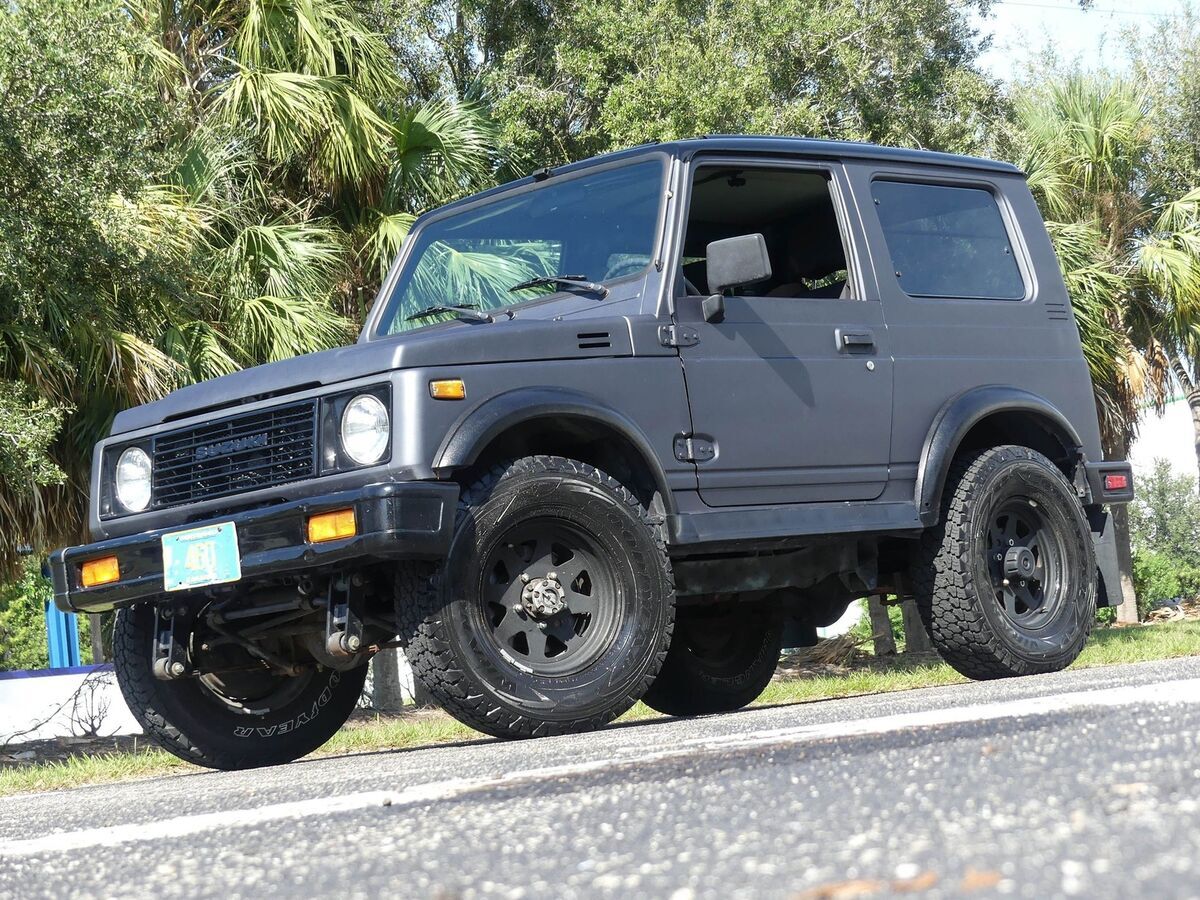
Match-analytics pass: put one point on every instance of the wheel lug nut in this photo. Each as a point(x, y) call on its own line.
point(552, 576)
point(525, 577)
point(518, 608)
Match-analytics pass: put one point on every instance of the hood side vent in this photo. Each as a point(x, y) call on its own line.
point(594, 340)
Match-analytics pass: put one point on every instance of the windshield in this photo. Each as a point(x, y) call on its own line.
point(600, 226)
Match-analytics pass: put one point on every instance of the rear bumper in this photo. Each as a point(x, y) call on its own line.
point(405, 520)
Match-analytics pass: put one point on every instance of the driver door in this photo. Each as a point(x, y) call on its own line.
point(790, 395)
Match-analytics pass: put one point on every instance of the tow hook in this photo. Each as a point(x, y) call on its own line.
point(171, 628)
point(344, 620)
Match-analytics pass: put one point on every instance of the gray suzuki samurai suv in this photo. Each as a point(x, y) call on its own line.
point(607, 431)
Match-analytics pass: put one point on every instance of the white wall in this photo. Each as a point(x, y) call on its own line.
point(49, 704)
point(55, 703)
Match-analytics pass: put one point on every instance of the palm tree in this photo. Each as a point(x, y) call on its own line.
point(296, 165)
point(301, 134)
point(1129, 246)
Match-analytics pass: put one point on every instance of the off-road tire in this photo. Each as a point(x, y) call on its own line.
point(481, 686)
point(720, 659)
point(955, 592)
point(184, 719)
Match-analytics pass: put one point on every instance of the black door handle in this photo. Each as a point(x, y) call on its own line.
point(855, 340)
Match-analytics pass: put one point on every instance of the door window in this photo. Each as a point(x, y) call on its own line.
point(792, 209)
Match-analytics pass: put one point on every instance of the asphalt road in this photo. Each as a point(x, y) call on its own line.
point(1078, 784)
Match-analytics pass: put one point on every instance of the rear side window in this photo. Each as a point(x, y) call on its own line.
point(947, 241)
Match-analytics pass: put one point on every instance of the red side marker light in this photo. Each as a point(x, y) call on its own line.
point(1116, 482)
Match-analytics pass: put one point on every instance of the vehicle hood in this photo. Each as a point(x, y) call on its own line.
point(449, 344)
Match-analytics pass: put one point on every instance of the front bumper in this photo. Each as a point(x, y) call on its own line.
point(403, 520)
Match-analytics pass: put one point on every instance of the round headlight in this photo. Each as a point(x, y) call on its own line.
point(132, 479)
point(365, 429)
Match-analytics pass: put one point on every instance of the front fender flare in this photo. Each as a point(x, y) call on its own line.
point(957, 417)
point(472, 433)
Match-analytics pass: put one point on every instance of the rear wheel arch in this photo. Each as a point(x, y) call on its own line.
point(991, 416)
point(557, 422)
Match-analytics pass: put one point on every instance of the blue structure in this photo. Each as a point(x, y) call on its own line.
point(62, 634)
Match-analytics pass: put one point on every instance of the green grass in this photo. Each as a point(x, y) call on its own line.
point(1166, 640)
point(89, 769)
point(1108, 646)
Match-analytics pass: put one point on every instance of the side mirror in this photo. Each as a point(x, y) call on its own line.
point(737, 261)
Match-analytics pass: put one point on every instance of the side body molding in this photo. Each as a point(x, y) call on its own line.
point(962, 413)
point(471, 434)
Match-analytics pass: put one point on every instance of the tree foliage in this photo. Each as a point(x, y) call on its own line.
point(191, 188)
point(196, 186)
point(23, 621)
point(80, 294)
point(575, 78)
point(1165, 525)
point(1128, 241)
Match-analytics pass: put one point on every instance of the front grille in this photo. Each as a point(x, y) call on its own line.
point(244, 453)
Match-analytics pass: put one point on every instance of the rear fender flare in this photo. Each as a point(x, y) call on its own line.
point(962, 413)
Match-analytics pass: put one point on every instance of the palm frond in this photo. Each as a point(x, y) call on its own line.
point(273, 328)
point(356, 142)
point(385, 239)
point(443, 148)
point(287, 110)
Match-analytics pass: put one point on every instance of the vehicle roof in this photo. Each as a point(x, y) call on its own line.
point(760, 143)
point(766, 144)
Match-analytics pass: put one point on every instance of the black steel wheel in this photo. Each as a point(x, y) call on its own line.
point(554, 609)
point(1025, 560)
point(242, 717)
point(721, 658)
point(546, 597)
point(1006, 582)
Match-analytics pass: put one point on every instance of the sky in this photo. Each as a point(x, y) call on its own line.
point(1022, 27)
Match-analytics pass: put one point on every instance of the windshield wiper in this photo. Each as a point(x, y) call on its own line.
point(468, 311)
point(579, 281)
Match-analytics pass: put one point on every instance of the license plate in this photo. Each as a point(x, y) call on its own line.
point(199, 557)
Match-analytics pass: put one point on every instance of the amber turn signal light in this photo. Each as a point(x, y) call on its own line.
point(331, 526)
point(448, 389)
point(100, 571)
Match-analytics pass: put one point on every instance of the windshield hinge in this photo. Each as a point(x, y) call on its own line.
point(694, 448)
point(678, 336)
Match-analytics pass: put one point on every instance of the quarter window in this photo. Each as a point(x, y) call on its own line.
point(947, 241)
